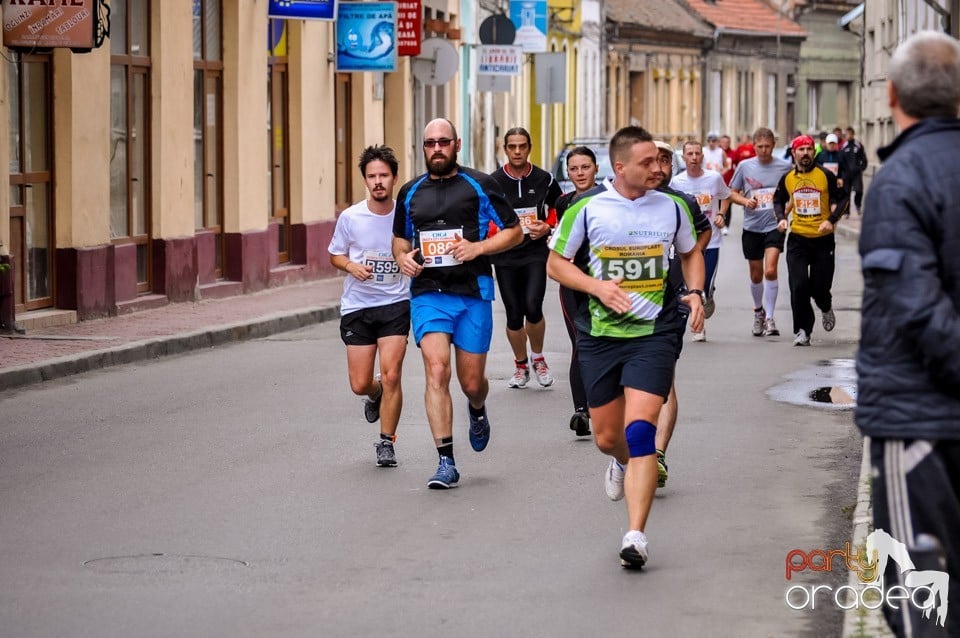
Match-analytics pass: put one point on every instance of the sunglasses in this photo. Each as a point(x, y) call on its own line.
point(443, 142)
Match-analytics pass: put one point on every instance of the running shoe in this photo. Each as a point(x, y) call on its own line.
point(801, 338)
point(661, 468)
point(446, 476)
point(386, 457)
point(759, 316)
point(633, 550)
point(580, 423)
point(709, 307)
point(613, 480)
point(770, 328)
point(829, 320)
point(371, 407)
point(479, 431)
point(700, 336)
point(544, 378)
point(520, 378)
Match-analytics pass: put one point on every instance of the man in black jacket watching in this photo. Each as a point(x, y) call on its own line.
point(909, 357)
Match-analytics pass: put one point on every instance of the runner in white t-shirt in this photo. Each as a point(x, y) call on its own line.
point(709, 189)
point(375, 306)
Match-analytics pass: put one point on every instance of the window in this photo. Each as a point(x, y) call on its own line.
point(278, 168)
point(716, 99)
point(207, 123)
point(129, 131)
point(813, 106)
point(772, 101)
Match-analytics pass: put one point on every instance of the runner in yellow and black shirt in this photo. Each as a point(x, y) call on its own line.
point(816, 203)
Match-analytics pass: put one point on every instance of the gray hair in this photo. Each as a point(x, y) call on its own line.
point(925, 71)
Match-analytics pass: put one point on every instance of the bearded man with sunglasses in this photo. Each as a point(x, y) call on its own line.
point(440, 241)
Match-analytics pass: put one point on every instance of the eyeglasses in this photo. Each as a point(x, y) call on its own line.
point(443, 142)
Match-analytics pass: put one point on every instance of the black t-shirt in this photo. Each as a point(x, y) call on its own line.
point(533, 194)
point(433, 209)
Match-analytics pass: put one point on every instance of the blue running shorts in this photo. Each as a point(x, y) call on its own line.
point(469, 320)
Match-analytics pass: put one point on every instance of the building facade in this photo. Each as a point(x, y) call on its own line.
point(140, 172)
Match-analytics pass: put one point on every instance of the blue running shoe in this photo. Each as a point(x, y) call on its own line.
point(479, 431)
point(446, 476)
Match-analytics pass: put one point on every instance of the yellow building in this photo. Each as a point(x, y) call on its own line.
point(203, 150)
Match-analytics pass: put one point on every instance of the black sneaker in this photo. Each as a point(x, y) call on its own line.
point(580, 423)
point(386, 457)
point(371, 407)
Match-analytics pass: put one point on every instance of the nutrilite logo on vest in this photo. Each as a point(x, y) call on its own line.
point(925, 590)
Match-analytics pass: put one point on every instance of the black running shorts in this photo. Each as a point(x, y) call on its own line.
point(363, 327)
point(609, 365)
point(755, 244)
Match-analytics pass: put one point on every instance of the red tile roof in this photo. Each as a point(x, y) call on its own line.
point(745, 15)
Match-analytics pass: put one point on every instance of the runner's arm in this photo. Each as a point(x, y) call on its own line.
point(342, 262)
point(608, 292)
point(694, 274)
point(406, 256)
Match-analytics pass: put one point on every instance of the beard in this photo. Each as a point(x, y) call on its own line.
point(380, 196)
point(440, 167)
point(805, 162)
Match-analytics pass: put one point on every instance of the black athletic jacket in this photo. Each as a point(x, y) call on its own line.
point(469, 200)
point(909, 358)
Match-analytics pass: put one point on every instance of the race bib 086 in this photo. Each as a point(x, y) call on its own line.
point(527, 216)
point(436, 246)
point(640, 266)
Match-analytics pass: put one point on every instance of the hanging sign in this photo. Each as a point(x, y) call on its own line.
point(366, 36)
point(303, 9)
point(409, 27)
point(68, 24)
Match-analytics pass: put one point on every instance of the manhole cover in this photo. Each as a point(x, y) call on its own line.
point(831, 384)
point(163, 564)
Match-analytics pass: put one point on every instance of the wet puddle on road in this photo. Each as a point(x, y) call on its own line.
point(831, 385)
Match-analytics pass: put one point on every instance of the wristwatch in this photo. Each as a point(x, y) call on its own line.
point(697, 291)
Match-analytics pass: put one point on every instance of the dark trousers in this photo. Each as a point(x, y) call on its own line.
point(854, 186)
point(916, 491)
point(810, 265)
point(568, 304)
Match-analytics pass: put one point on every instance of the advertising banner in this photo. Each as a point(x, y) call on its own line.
point(409, 27)
point(303, 9)
point(366, 36)
point(530, 19)
point(68, 24)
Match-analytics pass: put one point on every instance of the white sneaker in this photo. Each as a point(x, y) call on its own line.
point(540, 369)
point(633, 550)
point(759, 316)
point(613, 480)
point(770, 329)
point(801, 338)
point(700, 336)
point(829, 320)
point(520, 377)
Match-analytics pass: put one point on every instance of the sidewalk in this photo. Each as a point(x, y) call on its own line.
point(51, 353)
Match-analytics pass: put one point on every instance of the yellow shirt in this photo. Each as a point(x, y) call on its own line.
point(810, 197)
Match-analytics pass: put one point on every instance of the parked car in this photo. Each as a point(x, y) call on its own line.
point(600, 148)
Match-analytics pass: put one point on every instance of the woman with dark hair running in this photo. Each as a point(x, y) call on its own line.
point(582, 170)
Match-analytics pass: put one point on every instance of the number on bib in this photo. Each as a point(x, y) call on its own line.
point(641, 267)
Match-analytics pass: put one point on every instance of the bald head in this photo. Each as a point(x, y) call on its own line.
point(438, 128)
point(925, 74)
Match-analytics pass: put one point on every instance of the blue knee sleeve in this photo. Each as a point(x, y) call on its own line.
point(641, 438)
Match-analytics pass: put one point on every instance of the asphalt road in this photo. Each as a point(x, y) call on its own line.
point(233, 492)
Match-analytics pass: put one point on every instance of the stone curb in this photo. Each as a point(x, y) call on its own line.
point(155, 347)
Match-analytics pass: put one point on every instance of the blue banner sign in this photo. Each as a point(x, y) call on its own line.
point(303, 9)
point(367, 36)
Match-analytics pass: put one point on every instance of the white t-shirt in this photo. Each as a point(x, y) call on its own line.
point(708, 189)
point(366, 238)
point(713, 159)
